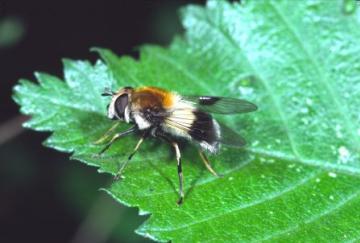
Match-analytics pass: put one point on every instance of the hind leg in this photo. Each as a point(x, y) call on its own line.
point(207, 163)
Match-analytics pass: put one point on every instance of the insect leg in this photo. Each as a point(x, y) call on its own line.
point(117, 136)
point(107, 133)
point(180, 174)
point(207, 163)
point(179, 165)
point(118, 174)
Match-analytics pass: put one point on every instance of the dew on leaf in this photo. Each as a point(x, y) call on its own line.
point(255, 143)
point(349, 6)
point(332, 174)
point(305, 121)
point(304, 110)
point(246, 91)
point(291, 166)
point(344, 154)
point(309, 101)
point(338, 131)
point(230, 48)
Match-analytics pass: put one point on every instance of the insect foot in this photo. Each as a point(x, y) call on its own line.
point(180, 201)
point(118, 177)
point(96, 156)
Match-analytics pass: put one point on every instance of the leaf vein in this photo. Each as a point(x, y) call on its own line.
point(272, 196)
point(173, 62)
point(339, 106)
point(315, 218)
point(259, 77)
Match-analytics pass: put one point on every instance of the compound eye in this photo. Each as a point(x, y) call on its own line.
point(120, 105)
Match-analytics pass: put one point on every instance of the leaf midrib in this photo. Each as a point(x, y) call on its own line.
point(84, 74)
point(342, 168)
point(195, 80)
point(260, 78)
point(327, 85)
point(314, 163)
point(56, 102)
point(347, 169)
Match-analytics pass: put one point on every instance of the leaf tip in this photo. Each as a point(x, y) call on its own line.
point(68, 62)
point(19, 89)
point(142, 231)
point(39, 75)
point(110, 193)
point(97, 49)
point(15, 93)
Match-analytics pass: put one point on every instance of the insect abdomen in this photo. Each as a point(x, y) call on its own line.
point(205, 130)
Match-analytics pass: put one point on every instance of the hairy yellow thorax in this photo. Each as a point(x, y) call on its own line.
point(152, 97)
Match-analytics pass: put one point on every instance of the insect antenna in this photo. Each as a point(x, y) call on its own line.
point(108, 92)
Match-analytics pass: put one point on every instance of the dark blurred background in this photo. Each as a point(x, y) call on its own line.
point(45, 197)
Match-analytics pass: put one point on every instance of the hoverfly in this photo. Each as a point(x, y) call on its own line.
point(172, 117)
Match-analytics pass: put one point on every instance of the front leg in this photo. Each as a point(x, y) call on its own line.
point(107, 133)
point(120, 171)
point(117, 136)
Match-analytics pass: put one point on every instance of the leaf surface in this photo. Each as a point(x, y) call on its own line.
point(297, 180)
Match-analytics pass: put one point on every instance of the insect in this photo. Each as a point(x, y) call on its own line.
point(172, 117)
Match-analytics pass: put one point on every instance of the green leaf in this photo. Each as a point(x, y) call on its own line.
point(299, 177)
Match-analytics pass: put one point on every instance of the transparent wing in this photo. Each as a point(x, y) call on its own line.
point(190, 122)
point(221, 105)
point(202, 130)
point(230, 137)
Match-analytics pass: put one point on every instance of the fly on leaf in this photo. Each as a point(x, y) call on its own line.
point(172, 117)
